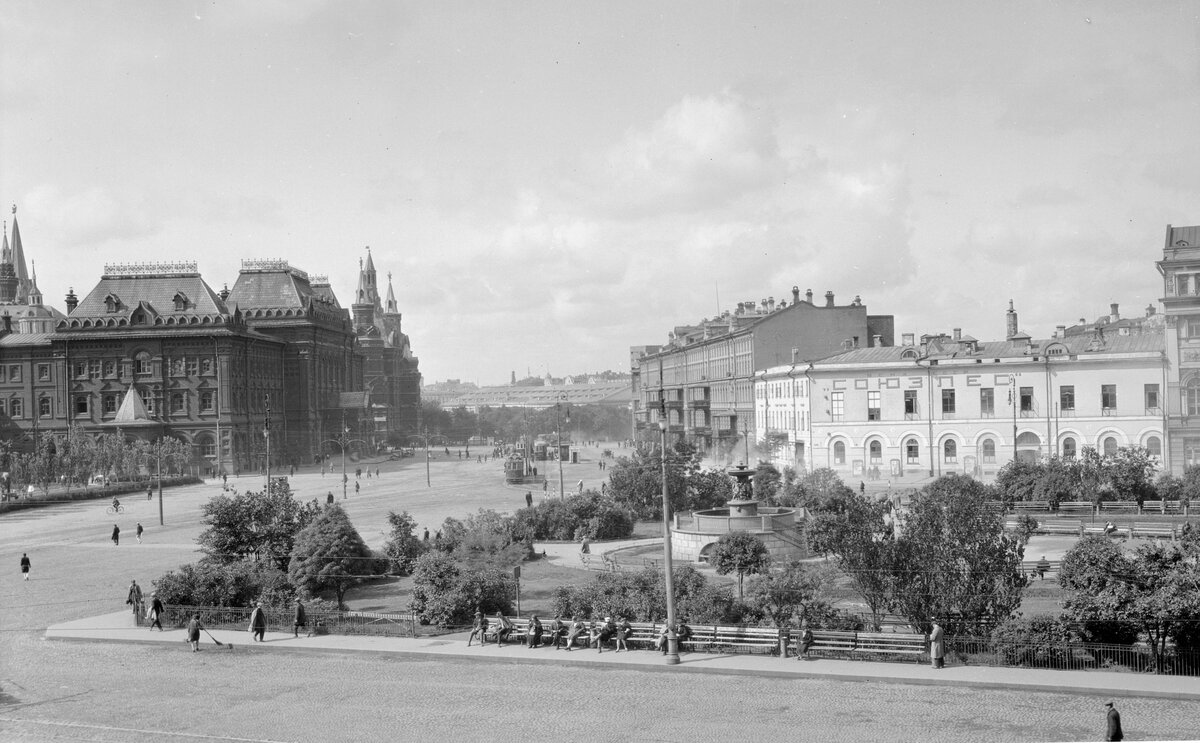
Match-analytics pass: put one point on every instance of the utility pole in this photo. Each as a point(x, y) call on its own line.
point(267, 437)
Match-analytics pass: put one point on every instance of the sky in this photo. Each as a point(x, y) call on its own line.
point(551, 183)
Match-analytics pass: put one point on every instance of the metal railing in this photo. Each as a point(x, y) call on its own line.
point(383, 624)
point(979, 651)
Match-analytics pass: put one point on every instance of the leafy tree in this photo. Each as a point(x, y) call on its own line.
point(860, 534)
point(445, 592)
point(635, 483)
point(953, 561)
point(1018, 481)
point(1154, 592)
point(797, 592)
point(403, 546)
point(329, 554)
point(587, 514)
point(742, 553)
point(254, 525)
point(767, 482)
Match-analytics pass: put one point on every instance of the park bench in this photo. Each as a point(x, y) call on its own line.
point(1119, 506)
point(1031, 505)
point(746, 639)
point(890, 643)
point(598, 562)
point(1158, 506)
point(1122, 531)
point(1060, 526)
point(994, 505)
point(825, 641)
point(1076, 508)
point(1151, 530)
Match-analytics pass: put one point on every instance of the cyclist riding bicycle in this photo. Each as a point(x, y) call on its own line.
point(116, 504)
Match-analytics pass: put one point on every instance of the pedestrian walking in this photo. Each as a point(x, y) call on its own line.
point(224, 479)
point(134, 599)
point(299, 619)
point(149, 492)
point(425, 536)
point(356, 487)
point(258, 623)
point(329, 498)
point(529, 499)
point(25, 566)
point(139, 532)
point(1112, 729)
point(193, 632)
point(376, 473)
point(154, 613)
point(937, 648)
point(116, 535)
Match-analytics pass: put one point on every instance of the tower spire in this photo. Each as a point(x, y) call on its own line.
point(391, 297)
point(18, 260)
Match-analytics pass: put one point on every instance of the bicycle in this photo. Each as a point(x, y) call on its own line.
point(111, 510)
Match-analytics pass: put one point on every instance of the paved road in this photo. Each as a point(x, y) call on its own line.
point(52, 691)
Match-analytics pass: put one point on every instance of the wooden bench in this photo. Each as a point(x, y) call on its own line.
point(1119, 506)
point(1157, 506)
point(1076, 508)
point(1031, 505)
point(598, 562)
point(890, 643)
point(1152, 530)
point(1122, 531)
point(1030, 567)
point(747, 639)
point(834, 641)
point(1060, 526)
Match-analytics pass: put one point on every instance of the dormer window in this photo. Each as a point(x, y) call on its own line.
point(181, 301)
point(112, 303)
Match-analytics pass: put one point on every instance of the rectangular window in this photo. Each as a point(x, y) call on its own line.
point(1108, 398)
point(206, 366)
point(1, 372)
point(176, 367)
point(912, 451)
point(3, 407)
point(837, 401)
point(910, 404)
point(1066, 398)
point(110, 368)
point(873, 405)
point(947, 403)
point(1026, 400)
point(16, 409)
point(94, 369)
point(43, 372)
point(1181, 284)
point(44, 407)
point(987, 402)
point(110, 404)
point(207, 398)
point(1193, 328)
point(192, 365)
point(81, 405)
point(177, 402)
point(1152, 398)
point(143, 364)
point(80, 369)
point(14, 373)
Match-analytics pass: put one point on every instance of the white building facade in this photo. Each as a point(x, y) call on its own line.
point(954, 404)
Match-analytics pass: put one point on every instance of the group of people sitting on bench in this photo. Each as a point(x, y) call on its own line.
point(595, 634)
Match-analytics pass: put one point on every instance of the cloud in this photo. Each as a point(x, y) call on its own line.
point(701, 153)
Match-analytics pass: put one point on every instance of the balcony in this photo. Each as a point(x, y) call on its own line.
point(1108, 412)
point(913, 416)
point(1029, 414)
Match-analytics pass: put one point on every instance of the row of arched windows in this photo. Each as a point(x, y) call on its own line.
point(987, 449)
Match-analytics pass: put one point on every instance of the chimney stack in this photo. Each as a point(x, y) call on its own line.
point(795, 355)
point(770, 304)
point(1150, 310)
point(828, 299)
point(877, 340)
point(958, 334)
point(795, 295)
point(1010, 321)
point(72, 300)
point(763, 303)
point(808, 296)
point(741, 306)
point(1113, 314)
point(1060, 332)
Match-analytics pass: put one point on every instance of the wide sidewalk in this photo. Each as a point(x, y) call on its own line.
point(119, 627)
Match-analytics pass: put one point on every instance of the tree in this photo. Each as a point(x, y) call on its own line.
point(767, 482)
point(797, 592)
point(860, 534)
point(742, 553)
point(403, 545)
point(446, 593)
point(635, 483)
point(1154, 592)
point(254, 525)
point(1040, 641)
point(953, 561)
point(330, 554)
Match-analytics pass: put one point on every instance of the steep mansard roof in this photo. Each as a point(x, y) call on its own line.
point(169, 290)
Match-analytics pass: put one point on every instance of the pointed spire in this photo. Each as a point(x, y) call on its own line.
point(6, 254)
point(18, 261)
point(391, 296)
point(35, 294)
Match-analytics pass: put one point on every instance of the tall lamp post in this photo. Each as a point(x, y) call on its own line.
point(342, 441)
point(425, 438)
point(562, 493)
point(672, 639)
point(267, 438)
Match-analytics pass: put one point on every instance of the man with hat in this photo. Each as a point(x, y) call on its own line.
point(155, 613)
point(258, 623)
point(1113, 731)
point(299, 619)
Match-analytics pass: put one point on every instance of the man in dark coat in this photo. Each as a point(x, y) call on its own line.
point(258, 623)
point(1113, 730)
point(25, 565)
point(134, 599)
point(299, 620)
point(116, 535)
point(156, 610)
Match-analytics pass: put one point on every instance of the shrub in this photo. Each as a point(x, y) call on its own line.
point(1040, 641)
point(446, 593)
point(212, 583)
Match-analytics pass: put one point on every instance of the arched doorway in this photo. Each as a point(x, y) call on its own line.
point(1029, 447)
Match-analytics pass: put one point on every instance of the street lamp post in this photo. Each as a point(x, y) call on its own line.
point(342, 441)
point(267, 437)
point(562, 493)
point(672, 639)
point(424, 438)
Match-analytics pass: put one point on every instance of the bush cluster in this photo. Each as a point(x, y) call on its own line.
point(588, 514)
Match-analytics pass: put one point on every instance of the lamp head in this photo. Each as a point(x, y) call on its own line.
point(662, 425)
